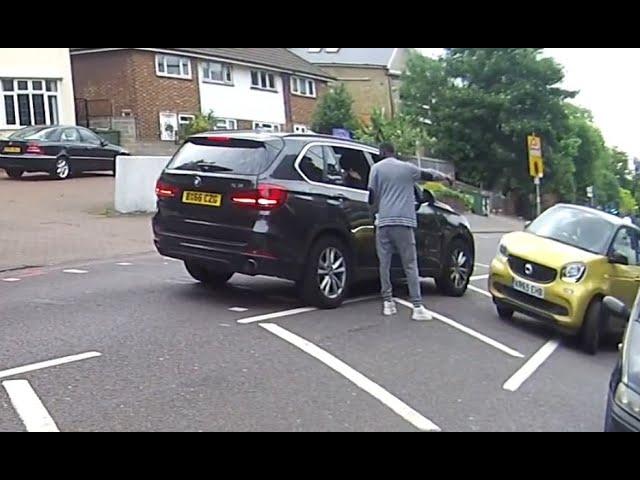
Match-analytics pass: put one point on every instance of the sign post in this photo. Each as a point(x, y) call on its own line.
point(536, 166)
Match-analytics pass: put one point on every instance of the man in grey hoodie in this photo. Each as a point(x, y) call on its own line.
point(392, 196)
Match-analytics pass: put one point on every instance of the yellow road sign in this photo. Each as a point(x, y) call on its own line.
point(536, 164)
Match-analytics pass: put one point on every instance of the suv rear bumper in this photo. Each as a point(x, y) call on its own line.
point(256, 258)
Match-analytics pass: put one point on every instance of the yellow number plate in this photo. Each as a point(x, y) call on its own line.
point(202, 198)
point(11, 150)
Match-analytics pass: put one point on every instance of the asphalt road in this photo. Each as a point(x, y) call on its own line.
point(167, 354)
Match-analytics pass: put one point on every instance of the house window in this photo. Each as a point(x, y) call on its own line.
point(300, 129)
point(263, 80)
point(217, 73)
point(28, 102)
point(171, 66)
point(226, 124)
point(267, 127)
point(303, 87)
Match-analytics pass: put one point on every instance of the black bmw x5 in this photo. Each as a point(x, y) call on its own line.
point(294, 207)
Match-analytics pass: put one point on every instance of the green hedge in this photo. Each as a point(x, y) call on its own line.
point(442, 193)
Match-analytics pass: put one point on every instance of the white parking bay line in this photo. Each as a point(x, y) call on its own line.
point(29, 407)
point(296, 311)
point(481, 291)
point(75, 271)
point(483, 265)
point(271, 316)
point(479, 277)
point(10, 280)
point(372, 388)
point(529, 368)
point(238, 309)
point(468, 331)
point(49, 363)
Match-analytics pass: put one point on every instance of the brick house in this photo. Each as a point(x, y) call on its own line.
point(371, 75)
point(161, 89)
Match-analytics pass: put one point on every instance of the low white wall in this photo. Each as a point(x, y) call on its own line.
point(136, 179)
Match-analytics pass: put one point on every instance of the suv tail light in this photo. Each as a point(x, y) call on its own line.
point(166, 190)
point(265, 197)
point(34, 149)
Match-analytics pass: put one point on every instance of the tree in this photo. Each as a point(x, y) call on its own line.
point(479, 105)
point(606, 189)
point(400, 131)
point(618, 162)
point(334, 110)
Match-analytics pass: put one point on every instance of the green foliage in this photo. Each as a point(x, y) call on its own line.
point(400, 131)
point(200, 124)
point(628, 204)
point(443, 193)
point(334, 110)
point(606, 189)
point(479, 104)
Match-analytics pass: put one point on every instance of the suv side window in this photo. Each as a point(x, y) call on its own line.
point(355, 167)
point(626, 244)
point(312, 164)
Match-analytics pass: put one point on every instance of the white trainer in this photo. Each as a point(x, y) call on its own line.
point(421, 314)
point(389, 308)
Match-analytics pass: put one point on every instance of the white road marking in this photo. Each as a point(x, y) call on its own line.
point(29, 407)
point(468, 331)
point(482, 265)
point(238, 309)
point(271, 316)
point(372, 388)
point(529, 368)
point(480, 290)
point(479, 277)
point(75, 271)
point(297, 311)
point(10, 280)
point(124, 264)
point(49, 363)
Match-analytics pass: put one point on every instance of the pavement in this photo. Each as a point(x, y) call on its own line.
point(152, 350)
point(47, 222)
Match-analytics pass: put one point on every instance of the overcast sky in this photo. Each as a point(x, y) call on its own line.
point(609, 86)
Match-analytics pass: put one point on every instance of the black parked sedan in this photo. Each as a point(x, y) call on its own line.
point(623, 402)
point(58, 150)
point(295, 207)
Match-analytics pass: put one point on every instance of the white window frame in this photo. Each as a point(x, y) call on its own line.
point(226, 124)
point(298, 128)
point(183, 75)
point(265, 85)
point(185, 118)
point(266, 126)
point(50, 117)
point(227, 70)
point(310, 84)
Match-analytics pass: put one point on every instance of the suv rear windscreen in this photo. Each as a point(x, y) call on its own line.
point(226, 155)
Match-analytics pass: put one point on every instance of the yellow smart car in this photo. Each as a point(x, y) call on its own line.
point(561, 267)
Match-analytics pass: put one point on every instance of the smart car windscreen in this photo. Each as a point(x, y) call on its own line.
point(574, 227)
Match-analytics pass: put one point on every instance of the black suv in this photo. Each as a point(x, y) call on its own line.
point(295, 207)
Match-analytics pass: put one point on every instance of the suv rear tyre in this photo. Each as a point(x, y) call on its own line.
point(206, 275)
point(327, 275)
